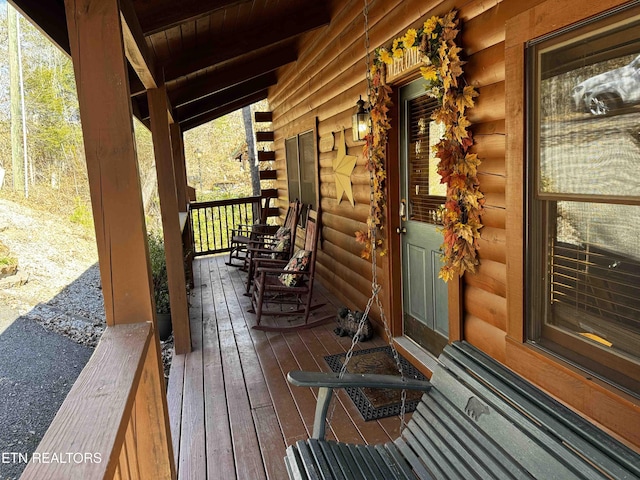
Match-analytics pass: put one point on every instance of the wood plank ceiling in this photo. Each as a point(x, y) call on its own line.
point(215, 55)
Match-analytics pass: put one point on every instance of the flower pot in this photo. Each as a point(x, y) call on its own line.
point(164, 325)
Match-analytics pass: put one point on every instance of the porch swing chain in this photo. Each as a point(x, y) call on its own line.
point(375, 287)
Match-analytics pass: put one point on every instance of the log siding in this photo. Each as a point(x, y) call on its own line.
point(326, 81)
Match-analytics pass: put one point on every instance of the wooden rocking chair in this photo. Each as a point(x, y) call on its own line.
point(287, 285)
point(241, 235)
point(255, 235)
point(263, 247)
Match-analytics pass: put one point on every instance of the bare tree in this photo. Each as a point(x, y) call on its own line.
point(17, 152)
point(253, 166)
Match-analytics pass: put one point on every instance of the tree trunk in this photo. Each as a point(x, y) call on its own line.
point(149, 188)
point(253, 167)
point(17, 167)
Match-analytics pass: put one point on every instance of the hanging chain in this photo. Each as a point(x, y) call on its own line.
point(367, 56)
point(375, 287)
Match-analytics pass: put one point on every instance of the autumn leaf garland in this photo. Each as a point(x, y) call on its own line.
point(375, 152)
point(442, 69)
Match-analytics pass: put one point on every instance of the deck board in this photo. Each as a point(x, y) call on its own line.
point(232, 411)
point(174, 401)
point(219, 447)
point(192, 458)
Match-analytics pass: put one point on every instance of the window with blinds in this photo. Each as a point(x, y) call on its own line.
point(426, 193)
point(588, 281)
point(594, 288)
point(583, 202)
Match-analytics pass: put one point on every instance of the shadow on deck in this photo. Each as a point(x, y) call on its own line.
point(232, 411)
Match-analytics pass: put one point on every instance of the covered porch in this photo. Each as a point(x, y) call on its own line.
point(231, 410)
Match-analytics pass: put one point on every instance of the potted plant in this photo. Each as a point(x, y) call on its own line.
point(160, 285)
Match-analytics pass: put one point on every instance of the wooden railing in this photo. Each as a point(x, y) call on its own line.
point(112, 425)
point(213, 221)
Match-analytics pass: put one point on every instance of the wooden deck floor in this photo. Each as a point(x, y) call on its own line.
point(232, 411)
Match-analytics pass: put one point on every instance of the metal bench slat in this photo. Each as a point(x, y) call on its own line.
point(363, 461)
point(442, 455)
point(356, 470)
point(481, 454)
point(398, 460)
point(295, 464)
point(423, 437)
point(320, 460)
point(397, 472)
point(419, 469)
point(288, 467)
point(334, 464)
point(485, 457)
point(310, 466)
point(346, 463)
point(610, 455)
point(518, 436)
point(375, 459)
point(542, 454)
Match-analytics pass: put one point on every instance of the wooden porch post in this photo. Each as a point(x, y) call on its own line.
point(159, 116)
point(101, 77)
point(180, 169)
point(100, 66)
point(179, 165)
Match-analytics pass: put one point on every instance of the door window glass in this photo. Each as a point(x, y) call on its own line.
point(425, 191)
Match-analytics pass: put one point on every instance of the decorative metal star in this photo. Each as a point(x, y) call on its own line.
point(343, 166)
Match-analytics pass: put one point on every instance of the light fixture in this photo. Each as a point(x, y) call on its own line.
point(360, 122)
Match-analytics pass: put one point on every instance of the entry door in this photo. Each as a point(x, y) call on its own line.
point(425, 310)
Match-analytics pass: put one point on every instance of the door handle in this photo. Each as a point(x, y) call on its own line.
point(403, 209)
point(401, 230)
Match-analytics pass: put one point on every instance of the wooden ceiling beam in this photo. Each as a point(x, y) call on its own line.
point(232, 75)
point(211, 102)
point(136, 87)
point(135, 46)
point(193, 122)
point(264, 33)
point(164, 14)
point(225, 97)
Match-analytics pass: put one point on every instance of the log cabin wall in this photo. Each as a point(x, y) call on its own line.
point(325, 83)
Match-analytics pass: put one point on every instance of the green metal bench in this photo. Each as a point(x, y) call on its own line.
point(476, 420)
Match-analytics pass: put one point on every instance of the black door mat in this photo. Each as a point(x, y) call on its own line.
point(375, 403)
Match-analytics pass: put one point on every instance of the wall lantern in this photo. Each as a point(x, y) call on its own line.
point(360, 125)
